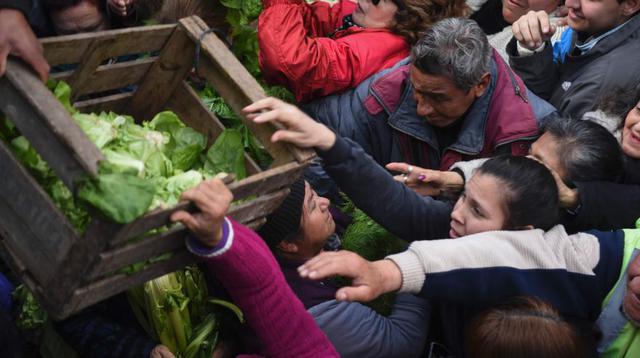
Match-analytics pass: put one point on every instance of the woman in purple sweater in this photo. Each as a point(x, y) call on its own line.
point(240, 259)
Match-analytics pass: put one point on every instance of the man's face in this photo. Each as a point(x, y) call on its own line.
point(596, 16)
point(438, 99)
point(83, 17)
point(545, 150)
point(513, 9)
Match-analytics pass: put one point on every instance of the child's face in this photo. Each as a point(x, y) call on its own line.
point(317, 223)
point(480, 208)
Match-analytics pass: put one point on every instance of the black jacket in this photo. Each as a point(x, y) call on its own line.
point(23, 5)
point(606, 205)
point(613, 63)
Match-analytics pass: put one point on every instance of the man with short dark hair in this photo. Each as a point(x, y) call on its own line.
point(599, 54)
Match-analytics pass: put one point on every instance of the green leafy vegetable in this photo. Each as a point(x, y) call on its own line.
point(122, 197)
point(30, 313)
point(227, 154)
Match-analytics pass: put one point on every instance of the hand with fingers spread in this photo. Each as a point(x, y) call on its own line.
point(631, 301)
point(17, 38)
point(533, 29)
point(299, 128)
point(370, 279)
point(213, 198)
point(427, 182)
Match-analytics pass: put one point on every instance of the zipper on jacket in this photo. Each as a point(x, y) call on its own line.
point(516, 86)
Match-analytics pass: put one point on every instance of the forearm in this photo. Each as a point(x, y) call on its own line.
point(483, 268)
point(390, 203)
point(24, 6)
point(245, 266)
point(606, 206)
point(538, 71)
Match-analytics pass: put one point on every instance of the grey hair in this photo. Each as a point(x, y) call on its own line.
point(456, 48)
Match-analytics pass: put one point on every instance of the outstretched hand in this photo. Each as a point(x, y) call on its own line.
point(370, 279)
point(426, 182)
point(17, 38)
point(213, 198)
point(299, 128)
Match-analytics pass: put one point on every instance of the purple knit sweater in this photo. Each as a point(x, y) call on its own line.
point(248, 270)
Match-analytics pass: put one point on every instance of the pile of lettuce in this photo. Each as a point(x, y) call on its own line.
point(147, 165)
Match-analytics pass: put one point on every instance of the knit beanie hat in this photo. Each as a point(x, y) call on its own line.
point(285, 220)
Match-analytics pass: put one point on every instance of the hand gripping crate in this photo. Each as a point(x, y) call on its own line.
point(66, 271)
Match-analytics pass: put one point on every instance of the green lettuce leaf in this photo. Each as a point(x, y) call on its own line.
point(227, 154)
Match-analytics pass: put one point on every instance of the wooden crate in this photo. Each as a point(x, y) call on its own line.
point(66, 271)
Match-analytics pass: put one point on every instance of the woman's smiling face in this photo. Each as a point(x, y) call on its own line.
point(631, 133)
point(480, 208)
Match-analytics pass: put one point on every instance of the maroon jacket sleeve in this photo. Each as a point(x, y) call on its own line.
point(250, 273)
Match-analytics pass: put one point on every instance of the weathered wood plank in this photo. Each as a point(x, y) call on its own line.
point(72, 271)
point(47, 125)
point(117, 103)
point(107, 287)
point(267, 181)
point(110, 77)
point(227, 75)
point(70, 49)
point(113, 260)
point(257, 208)
point(32, 227)
point(166, 74)
point(186, 103)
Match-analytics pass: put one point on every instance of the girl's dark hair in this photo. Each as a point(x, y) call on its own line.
point(620, 102)
point(525, 327)
point(414, 17)
point(587, 151)
point(530, 191)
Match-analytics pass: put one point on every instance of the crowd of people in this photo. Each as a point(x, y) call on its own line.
point(499, 138)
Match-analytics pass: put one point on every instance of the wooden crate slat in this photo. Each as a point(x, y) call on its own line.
point(257, 208)
point(227, 75)
point(113, 260)
point(264, 182)
point(110, 77)
point(30, 216)
point(72, 271)
point(47, 125)
point(116, 103)
point(186, 103)
point(166, 74)
point(107, 287)
point(70, 49)
point(267, 181)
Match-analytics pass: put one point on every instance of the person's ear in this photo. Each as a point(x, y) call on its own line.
point(287, 247)
point(630, 7)
point(480, 87)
